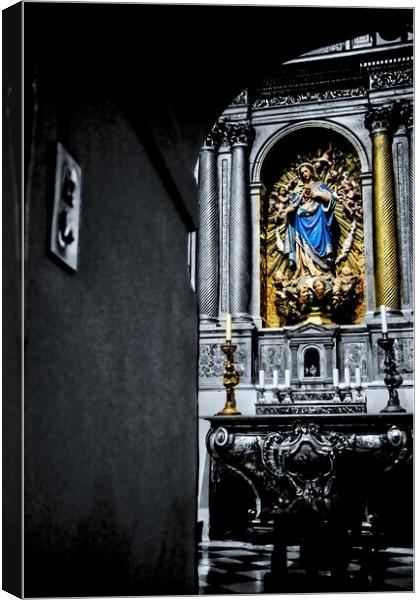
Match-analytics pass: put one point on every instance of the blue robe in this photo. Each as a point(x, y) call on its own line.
point(311, 229)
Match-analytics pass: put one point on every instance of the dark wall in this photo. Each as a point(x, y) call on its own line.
point(11, 305)
point(110, 352)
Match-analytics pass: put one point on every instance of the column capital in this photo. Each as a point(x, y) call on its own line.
point(212, 139)
point(406, 114)
point(242, 133)
point(235, 132)
point(380, 118)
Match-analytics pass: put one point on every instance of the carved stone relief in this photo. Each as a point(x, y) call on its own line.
point(307, 96)
point(271, 357)
point(309, 410)
point(241, 99)
point(391, 78)
point(404, 355)
point(355, 355)
point(211, 361)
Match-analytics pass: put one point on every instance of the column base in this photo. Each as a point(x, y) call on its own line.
point(241, 317)
point(394, 316)
point(208, 320)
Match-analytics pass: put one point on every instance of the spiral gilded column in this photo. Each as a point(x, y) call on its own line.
point(379, 120)
point(240, 277)
point(208, 231)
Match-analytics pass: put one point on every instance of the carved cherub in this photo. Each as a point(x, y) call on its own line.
point(304, 297)
point(323, 158)
point(281, 197)
point(347, 280)
point(287, 302)
point(319, 288)
point(321, 292)
point(350, 196)
point(346, 295)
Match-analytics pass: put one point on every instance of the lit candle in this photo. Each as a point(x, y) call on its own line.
point(347, 377)
point(287, 378)
point(275, 378)
point(383, 319)
point(228, 327)
point(261, 378)
point(358, 377)
point(335, 377)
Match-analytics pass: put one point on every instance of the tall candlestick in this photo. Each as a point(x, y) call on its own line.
point(383, 319)
point(347, 377)
point(335, 377)
point(228, 327)
point(287, 378)
point(358, 377)
point(262, 381)
point(230, 380)
point(275, 378)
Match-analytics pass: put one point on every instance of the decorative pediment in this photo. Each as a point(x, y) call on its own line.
point(311, 329)
point(310, 332)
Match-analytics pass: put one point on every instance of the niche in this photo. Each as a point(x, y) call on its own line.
point(311, 363)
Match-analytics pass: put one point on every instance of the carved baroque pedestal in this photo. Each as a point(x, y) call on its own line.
point(261, 465)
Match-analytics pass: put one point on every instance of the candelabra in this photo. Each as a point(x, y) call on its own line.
point(287, 395)
point(336, 397)
point(360, 396)
point(347, 393)
point(392, 378)
point(230, 380)
point(260, 394)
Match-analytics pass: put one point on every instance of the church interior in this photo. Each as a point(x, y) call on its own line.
point(304, 274)
point(210, 281)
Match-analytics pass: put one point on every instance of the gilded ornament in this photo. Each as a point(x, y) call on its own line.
point(314, 277)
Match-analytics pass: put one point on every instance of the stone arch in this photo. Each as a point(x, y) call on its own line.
point(308, 351)
point(291, 128)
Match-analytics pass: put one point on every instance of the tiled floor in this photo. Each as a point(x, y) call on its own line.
point(239, 568)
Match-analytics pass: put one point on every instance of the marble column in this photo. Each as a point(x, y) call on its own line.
point(240, 275)
point(400, 150)
point(258, 193)
point(407, 118)
point(224, 164)
point(379, 121)
point(208, 232)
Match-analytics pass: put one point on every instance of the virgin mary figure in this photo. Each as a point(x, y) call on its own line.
point(309, 219)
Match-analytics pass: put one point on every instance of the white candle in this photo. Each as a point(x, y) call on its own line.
point(287, 378)
point(383, 319)
point(262, 378)
point(358, 377)
point(335, 377)
point(347, 377)
point(228, 327)
point(275, 378)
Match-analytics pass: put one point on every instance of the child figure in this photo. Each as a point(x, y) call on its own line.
point(323, 158)
point(281, 197)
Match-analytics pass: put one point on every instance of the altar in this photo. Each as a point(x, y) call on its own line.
point(262, 465)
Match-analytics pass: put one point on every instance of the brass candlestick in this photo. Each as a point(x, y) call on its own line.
point(392, 378)
point(230, 380)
